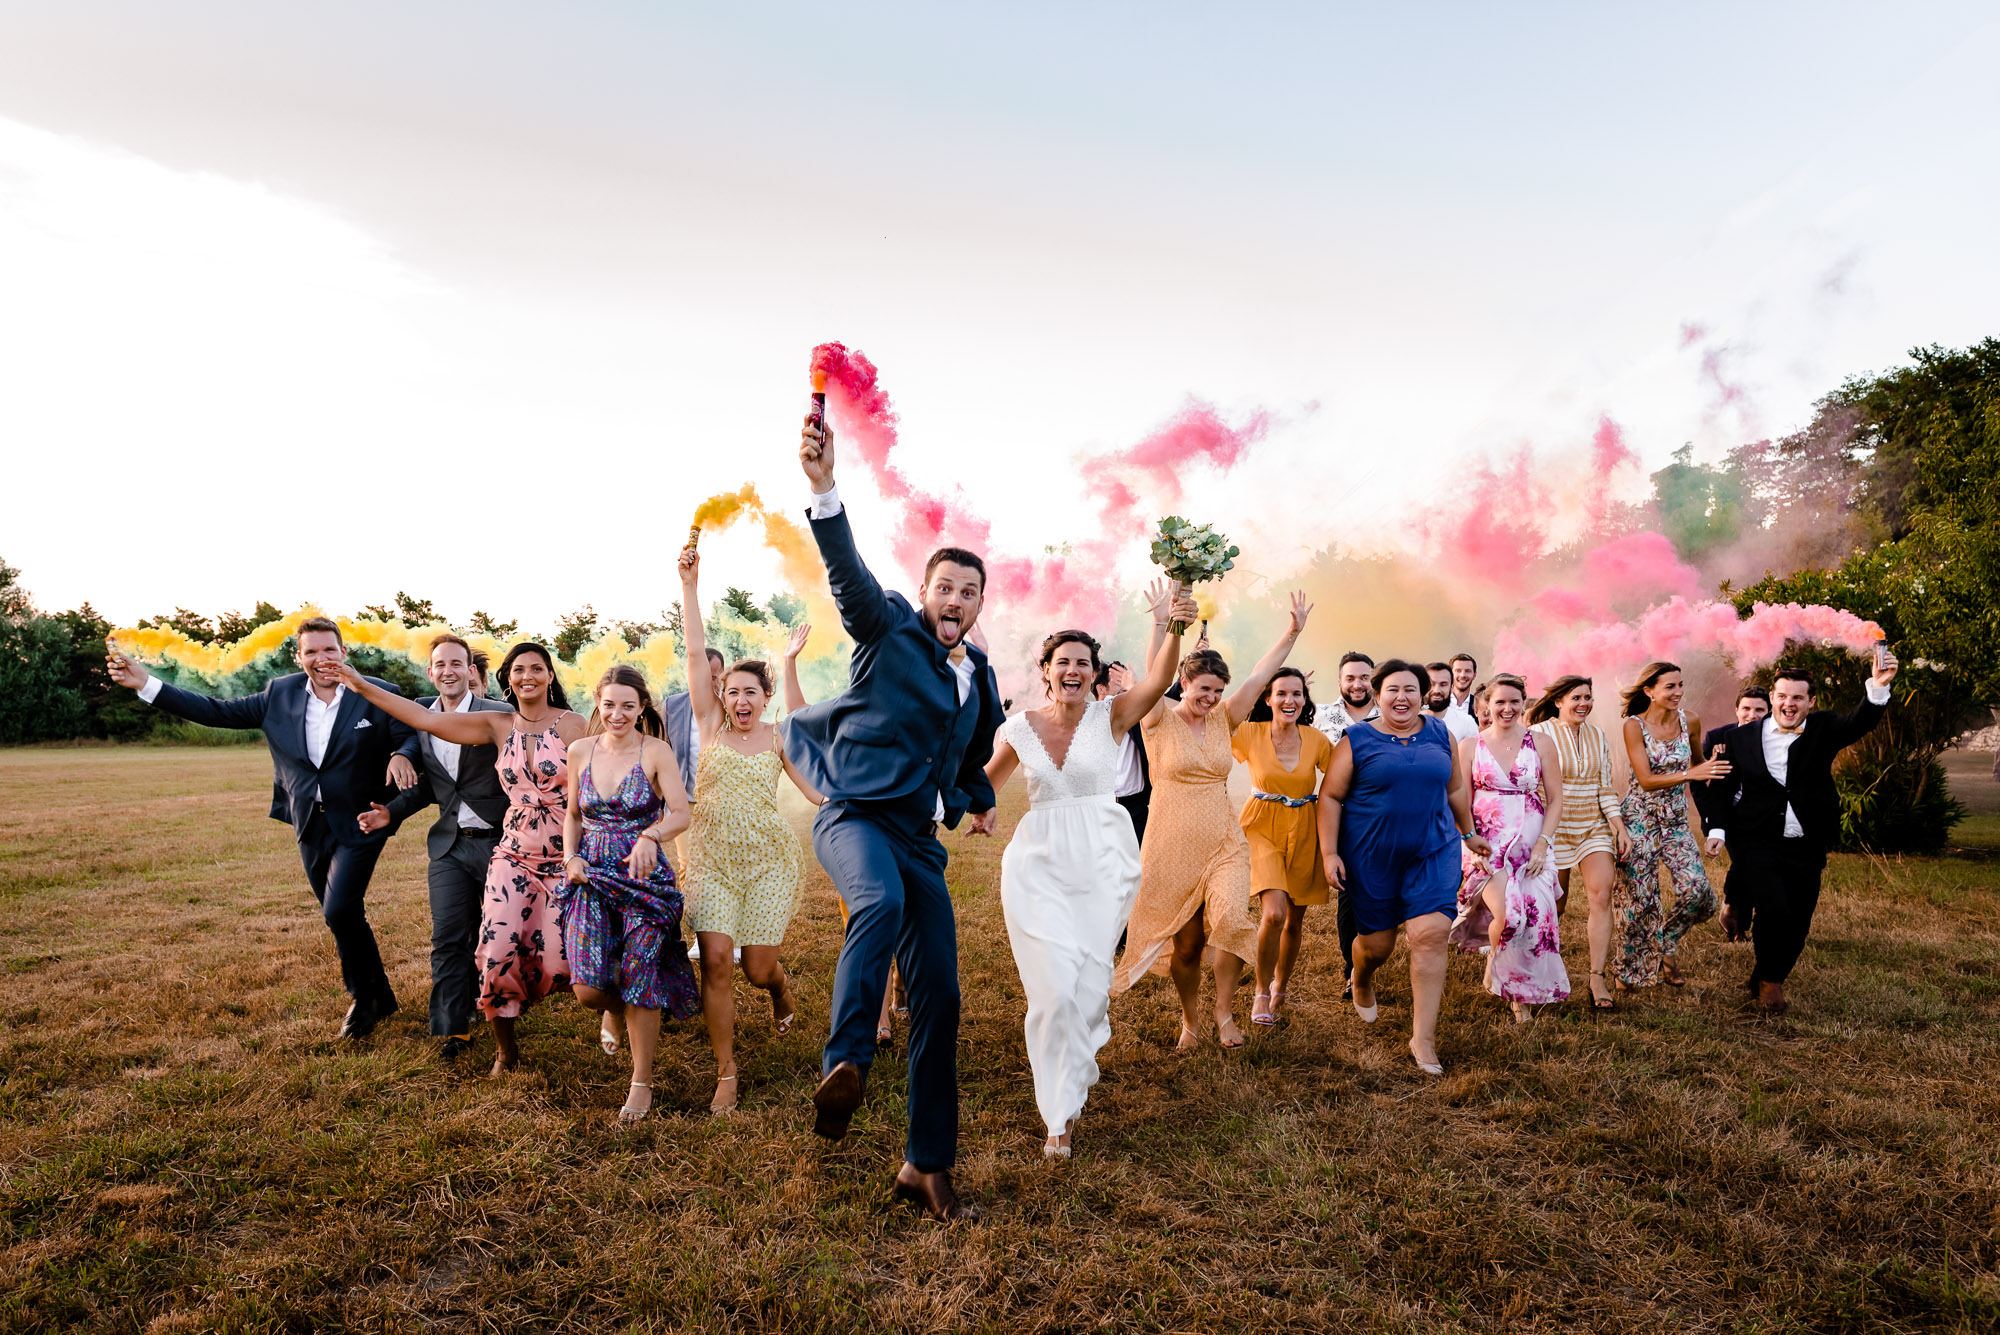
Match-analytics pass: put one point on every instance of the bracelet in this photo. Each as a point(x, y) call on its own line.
point(648, 834)
point(1544, 839)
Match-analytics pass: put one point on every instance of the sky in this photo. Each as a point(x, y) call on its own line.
point(478, 301)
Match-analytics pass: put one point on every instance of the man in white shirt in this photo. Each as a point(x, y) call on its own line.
point(1784, 816)
point(464, 782)
point(1464, 675)
point(1438, 701)
point(1135, 780)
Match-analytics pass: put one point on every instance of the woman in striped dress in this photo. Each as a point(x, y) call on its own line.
point(1592, 833)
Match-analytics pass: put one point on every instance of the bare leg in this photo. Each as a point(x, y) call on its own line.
point(1288, 949)
point(642, 1029)
point(1185, 968)
point(764, 970)
point(507, 1053)
point(1428, 937)
point(1371, 952)
point(718, 1010)
point(885, 1028)
point(1599, 874)
point(1495, 896)
point(1270, 938)
point(1228, 972)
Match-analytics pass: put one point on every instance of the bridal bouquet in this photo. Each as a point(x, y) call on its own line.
point(1192, 554)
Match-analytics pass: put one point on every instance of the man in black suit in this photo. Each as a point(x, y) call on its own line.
point(464, 781)
point(1752, 703)
point(1135, 774)
point(1783, 815)
point(330, 753)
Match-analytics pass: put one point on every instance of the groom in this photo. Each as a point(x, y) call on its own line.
point(902, 749)
point(1783, 815)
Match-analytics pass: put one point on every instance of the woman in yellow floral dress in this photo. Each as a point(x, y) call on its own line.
point(744, 866)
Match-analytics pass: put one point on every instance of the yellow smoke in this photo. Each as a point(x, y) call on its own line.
point(720, 511)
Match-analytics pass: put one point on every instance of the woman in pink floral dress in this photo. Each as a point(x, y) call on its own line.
point(1508, 900)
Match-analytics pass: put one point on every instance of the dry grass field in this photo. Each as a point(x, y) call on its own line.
point(185, 1148)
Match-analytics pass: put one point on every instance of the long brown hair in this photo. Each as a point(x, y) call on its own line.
point(1636, 699)
point(1550, 704)
point(624, 674)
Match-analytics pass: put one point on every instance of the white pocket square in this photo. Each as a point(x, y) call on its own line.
point(362, 724)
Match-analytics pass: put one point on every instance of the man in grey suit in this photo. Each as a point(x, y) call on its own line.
point(682, 735)
point(472, 806)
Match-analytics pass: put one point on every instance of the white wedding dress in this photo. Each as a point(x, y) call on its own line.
point(1067, 881)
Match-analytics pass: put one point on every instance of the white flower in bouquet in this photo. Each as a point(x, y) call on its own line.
point(1192, 554)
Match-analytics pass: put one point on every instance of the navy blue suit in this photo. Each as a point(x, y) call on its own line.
point(885, 752)
point(321, 803)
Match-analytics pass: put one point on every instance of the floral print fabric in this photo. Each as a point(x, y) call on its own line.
point(520, 933)
point(1657, 820)
point(1507, 812)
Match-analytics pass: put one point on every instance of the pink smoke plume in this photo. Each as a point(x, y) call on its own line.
point(1076, 585)
point(1677, 628)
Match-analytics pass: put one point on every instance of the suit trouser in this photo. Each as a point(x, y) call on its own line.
point(458, 896)
point(1136, 806)
point(888, 865)
point(1774, 892)
point(339, 876)
point(1344, 923)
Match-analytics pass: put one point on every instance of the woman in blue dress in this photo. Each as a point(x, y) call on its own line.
point(1393, 810)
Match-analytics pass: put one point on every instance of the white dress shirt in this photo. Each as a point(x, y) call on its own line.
point(825, 505)
point(1131, 778)
point(447, 754)
point(1458, 723)
point(319, 719)
point(1778, 758)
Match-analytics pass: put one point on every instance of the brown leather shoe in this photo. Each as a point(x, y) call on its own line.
point(1732, 927)
point(932, 1193)
point(836, 1099)
point(1771, 998)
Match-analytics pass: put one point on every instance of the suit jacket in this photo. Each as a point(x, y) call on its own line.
point(353, 772)
point(1752, 803)
point(898, 732)
point(677, 712)
point(477, 783)
point(1713, 816)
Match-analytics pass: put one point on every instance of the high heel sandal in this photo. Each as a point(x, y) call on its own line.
point(1189, 1039)
point(607, 1040)
point(1260, 1010)
point(1598, 1003)
point(628, 1114)
point(1222, 1041)
point(729, 1107)
point(1277, 1000)
point(1428, 1068)
point(1051, 1150)
point(1671, 975)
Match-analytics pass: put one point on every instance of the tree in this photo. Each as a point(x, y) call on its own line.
point(485, 625)
point(574, 631)
point(111, 711)
point(788, 608)
point(37, 702)
point(191, 624)
point(414, 611)
point(376, 612)
point(232, 626)
point(741, 604)
point(14, 600)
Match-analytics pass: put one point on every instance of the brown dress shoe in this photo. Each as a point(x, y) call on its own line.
point(1732, 927)
point(836, 1100)
point(932, 1193)
point(1771, 998)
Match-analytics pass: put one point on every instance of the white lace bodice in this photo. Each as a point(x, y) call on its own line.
point(1089, 770)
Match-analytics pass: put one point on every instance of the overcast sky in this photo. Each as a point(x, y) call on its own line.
point(478, 300)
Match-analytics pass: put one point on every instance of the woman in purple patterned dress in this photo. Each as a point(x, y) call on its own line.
point(1508, 900)
point(621, 910)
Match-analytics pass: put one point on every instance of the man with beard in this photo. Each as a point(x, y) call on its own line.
point(1355, 705)
point(1459, 722)
point(902, 750)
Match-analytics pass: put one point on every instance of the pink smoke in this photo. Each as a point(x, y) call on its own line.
point(1074, 587)
point(1676, 629)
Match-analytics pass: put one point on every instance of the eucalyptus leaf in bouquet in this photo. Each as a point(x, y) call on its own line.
point(1192, 554)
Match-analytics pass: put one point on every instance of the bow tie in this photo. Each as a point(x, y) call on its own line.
point(957, 654)
point(1783, 731)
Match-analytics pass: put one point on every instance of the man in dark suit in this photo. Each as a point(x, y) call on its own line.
point(464, 782)
point(1135, 772)
point(678, 714)
point(1752, 703)
point(1783, 815)
point(901, 750)
point(330, 753)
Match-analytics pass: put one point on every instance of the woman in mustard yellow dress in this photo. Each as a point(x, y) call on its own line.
point(1194, 868)
point(1286, 756)
point(744, 866)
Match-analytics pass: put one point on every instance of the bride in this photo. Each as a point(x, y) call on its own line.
point(1070, 872)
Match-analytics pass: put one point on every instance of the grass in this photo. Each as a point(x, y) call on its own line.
point(183, 1148)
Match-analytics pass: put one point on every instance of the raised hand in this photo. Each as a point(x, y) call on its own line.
point(1160, 597)
point(125, 671)
point(1185, 610)
point(1885, 667)
point(796, 645)
point(1120, 679)
point(373, 819)
point(1301, 609)
point(816, 455)
point(690, 567)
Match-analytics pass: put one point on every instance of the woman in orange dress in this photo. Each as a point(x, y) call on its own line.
point(1194, 868)
point(1281, 821)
